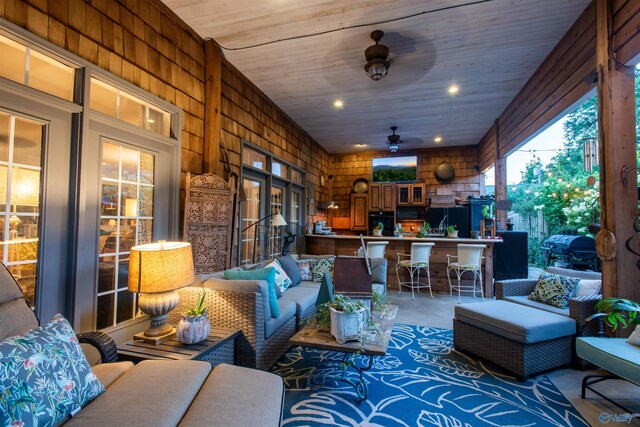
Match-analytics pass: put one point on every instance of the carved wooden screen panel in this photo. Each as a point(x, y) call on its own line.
point(207, 221)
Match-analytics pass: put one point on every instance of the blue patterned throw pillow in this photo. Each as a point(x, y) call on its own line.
point(282, 280)
point(319, 266)
point(44, 376)
point(553, 289)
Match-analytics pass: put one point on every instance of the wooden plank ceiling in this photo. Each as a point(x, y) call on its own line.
point(488, 49)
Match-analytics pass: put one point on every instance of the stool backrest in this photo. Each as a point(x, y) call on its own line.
point(376, 249)
point(420, 252)
point(470, 255)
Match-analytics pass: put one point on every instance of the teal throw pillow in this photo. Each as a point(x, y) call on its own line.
point(553, 289)
point(267, 274)
point(44, 376)
point(319, 267)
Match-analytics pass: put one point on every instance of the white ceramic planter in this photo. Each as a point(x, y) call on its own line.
point(193, 329)
point(347, 326)
point(453, 234)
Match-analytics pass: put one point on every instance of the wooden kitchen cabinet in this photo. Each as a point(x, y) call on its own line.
point(411, 194)
point(382, 197)
point(359, 211)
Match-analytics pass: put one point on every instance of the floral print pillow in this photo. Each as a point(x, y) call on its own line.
point(553, 289)
point(44, 376)
point(304, 265)
point(282, 279)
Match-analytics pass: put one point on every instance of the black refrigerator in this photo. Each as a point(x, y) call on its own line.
point(458, 216)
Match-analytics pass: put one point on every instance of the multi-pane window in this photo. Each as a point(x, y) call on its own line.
point(126, 220)
point(21, 143)
point(271, 187)
point(26, 66)
point(117, 103)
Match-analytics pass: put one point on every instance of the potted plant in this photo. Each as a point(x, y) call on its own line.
point(377, 230)
point(618, 311)
point(424, 230)
point(452, 231)
point(348, 318)
point(194, 325)
point(398, 231)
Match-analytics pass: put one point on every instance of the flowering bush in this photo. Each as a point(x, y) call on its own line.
point(583, 210)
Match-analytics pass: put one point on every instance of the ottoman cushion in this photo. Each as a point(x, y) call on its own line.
point(515, 321)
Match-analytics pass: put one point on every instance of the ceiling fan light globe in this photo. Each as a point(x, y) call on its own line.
point(377, 69)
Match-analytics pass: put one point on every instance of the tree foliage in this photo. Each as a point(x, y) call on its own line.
point(560, 189)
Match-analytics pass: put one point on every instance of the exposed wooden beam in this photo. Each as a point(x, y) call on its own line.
point(212, 107)
point(501, 181)
point(617, 149)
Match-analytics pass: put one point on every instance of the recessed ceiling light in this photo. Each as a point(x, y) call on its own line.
point(361, 145)
point(453, 89)
point(438, 139)
point(338, 104)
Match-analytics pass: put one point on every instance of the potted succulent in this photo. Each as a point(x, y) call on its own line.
point(424, 230)
point(452, 231)
point(194, 325)
point(377, 230)
point(348, 318)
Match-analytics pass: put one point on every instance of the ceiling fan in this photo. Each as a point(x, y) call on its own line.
point(393, 140)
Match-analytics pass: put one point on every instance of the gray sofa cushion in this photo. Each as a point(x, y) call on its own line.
point(524, 300)
point(108, 373)
point(287, 311)
point(235, 396)
point(290, 267)
point(303, 296)
point(515, 321)
point(378, 270)
point(615, 355)
point(153, 393)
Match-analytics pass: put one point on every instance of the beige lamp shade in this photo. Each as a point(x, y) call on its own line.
point(160, 267)
point(278, 221)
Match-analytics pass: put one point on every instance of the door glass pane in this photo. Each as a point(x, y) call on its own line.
point(254, 159)
point(14, 60)
point(27, 144)
point(126, 220)
point(279, 169)
point(251, 215)
point(20, 199)
point(48, 75)
point(275, 233)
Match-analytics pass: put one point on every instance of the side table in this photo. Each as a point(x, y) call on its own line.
point(218, 348)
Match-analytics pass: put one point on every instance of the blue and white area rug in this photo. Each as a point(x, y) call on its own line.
point(422, 381)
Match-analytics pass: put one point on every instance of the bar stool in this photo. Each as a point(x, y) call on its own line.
point(374, 249)
point(469, 259)
point(418, 260)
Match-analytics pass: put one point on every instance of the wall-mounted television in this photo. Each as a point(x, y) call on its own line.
point(395, 169)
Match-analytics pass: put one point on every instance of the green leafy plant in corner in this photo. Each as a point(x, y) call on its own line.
point(380, 226)
point(451, 229)
point(199, 309)
point(618, 311)
point(486, 212)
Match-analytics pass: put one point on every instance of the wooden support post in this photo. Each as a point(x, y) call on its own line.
point(212, 107)
point(501, 183)
point(617, 149)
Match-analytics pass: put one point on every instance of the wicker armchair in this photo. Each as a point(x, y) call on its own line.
point(239, 304)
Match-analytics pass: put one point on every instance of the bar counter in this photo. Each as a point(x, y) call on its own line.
point(318, 244)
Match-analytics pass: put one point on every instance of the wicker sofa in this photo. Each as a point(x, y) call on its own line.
point(151, 393)
point(243, 304)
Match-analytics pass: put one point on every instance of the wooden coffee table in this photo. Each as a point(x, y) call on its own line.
point(313, 337)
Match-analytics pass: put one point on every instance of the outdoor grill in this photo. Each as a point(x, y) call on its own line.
point(574, 252)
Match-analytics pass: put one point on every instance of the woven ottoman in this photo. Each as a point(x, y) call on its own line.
point(520, 339)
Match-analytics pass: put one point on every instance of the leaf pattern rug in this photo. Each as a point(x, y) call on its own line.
point(422, 381)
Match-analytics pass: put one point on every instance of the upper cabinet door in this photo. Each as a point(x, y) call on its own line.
point(417, 194)
point(404, 194)
point(375, 197)
point(388, 197)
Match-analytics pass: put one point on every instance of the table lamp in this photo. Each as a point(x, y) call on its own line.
point(156, 270)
